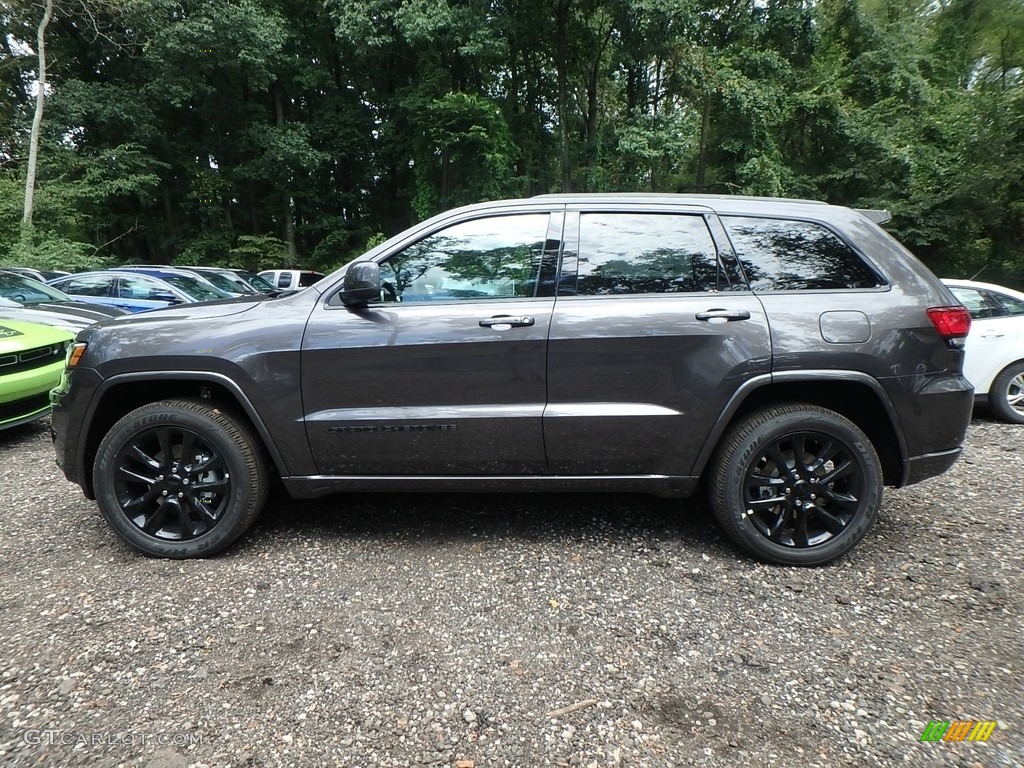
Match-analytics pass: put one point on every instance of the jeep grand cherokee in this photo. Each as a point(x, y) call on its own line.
point(789, 355)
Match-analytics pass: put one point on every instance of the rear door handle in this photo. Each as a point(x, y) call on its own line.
point(724, 315)
point(503, 322)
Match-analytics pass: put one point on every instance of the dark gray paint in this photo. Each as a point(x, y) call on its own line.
point(627, 392)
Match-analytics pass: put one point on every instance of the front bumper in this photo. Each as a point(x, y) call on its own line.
point(69, 424)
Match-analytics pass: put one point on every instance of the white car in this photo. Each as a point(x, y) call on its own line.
point(995, 345)
point(290, 279)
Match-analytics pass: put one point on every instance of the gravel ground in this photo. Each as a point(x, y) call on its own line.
point(575, 630)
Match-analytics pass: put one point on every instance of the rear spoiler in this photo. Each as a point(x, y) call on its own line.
point(877, 216)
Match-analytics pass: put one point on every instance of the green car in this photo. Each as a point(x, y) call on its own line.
point(31, 363)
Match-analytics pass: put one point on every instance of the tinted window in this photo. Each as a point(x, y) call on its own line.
point(308, 278)
point(284, 280)
point(980, 303)
point(645, 253)
point(136, 287)
point(1011, 305)
point(96, 285)
point(195, 287)
point(781, 255)
point(492, 258)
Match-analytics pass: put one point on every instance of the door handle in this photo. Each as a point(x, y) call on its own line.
point(501, 322)
point(724, 315)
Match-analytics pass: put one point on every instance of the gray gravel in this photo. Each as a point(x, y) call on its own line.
point(575, 630)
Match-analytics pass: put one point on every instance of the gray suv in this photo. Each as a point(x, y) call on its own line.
point(789, 356)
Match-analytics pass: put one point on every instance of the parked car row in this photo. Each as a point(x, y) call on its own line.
point(994, 362)
point(41, 311)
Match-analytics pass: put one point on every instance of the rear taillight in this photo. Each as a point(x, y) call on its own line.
point(951, 322)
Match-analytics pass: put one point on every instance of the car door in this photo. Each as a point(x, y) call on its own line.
point(446, 374)
point(653, 332)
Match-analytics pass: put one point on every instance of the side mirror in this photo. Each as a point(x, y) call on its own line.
point(362, 284)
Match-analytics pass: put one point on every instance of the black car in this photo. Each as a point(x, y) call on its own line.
point(788, 356)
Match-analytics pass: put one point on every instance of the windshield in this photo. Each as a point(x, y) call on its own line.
point(225, 283)
point(24, 290)
point(195, 287)
point(257, 282)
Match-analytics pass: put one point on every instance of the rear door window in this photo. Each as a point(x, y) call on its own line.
point(641, 253)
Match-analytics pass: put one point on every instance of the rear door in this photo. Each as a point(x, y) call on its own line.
point(653, 331)
point(446, 374)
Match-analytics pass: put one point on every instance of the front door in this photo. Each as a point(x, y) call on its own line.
point(446, 374)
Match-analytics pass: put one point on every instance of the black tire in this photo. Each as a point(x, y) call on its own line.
point(1006, 395)
point(150, 464)
point(796, 485)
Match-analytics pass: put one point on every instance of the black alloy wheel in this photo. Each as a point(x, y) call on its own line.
point(796, 485)
point(180, 478)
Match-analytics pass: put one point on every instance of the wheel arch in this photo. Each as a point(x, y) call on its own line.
point(121, 394)
point(857, 396)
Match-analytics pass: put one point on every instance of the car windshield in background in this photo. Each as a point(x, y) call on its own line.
point(195, 287)
point(224, 283)
point(257, 282)
point(24, 290)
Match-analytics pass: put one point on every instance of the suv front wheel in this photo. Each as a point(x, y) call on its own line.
point(796, 484)
point(180, 478)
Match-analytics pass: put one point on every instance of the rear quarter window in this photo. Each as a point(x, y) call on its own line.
point(790, 255)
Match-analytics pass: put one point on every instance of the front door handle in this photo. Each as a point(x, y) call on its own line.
point(724, 315)
point(503, 322)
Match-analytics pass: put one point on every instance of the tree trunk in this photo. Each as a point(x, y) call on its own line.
point(705, 129)
point(562, 64)
point(37, 122)
point(289, 219)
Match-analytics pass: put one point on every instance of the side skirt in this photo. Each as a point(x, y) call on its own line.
point(657, 485)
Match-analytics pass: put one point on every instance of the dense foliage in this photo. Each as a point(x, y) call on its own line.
point(297, 131)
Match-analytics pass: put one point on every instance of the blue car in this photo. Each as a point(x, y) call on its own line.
point(136, 291)
point(181, 276)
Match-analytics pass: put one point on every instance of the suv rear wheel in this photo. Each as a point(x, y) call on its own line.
point(796, 484)
point(180, 478)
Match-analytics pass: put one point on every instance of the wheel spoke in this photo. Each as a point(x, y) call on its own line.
point(144, 458)
point(841, 470)
point(134, 506)
point(136, 476)
point(800, 537)
point(776, 456)
point(204, 511)
point(832, 523)
point(763, 505)
point(155, 521)
point(188, 441)
point(184, 521)
point(825, 454)
point(163, 436)
point(847, 500)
